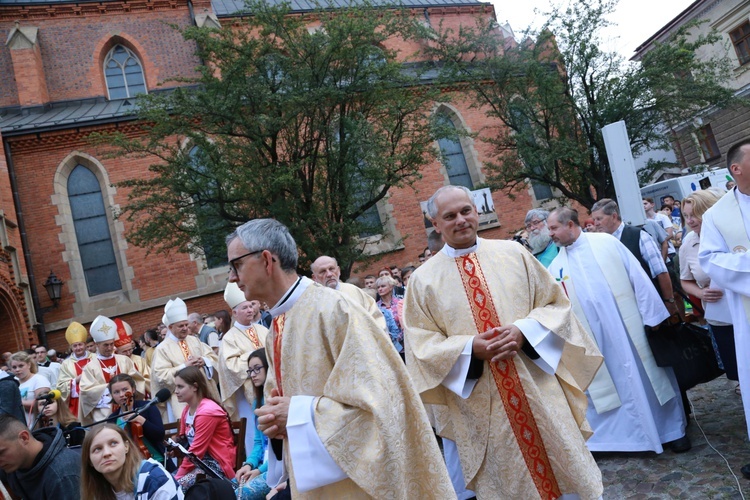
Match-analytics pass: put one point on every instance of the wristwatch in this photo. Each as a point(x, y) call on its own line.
point(670, 300)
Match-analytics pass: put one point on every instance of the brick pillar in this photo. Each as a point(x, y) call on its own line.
point(27, 65)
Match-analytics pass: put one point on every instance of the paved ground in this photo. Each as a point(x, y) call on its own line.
point(699, 473)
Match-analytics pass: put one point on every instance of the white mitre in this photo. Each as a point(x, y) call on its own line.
point(175, 311)
point(233, 296)
point(103, 329)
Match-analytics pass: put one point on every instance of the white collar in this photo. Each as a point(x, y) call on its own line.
point(240, 326)
point(104, 358)
point(578, 242)
point(171, 336)
point(459, 252)
point(741, 197)
point(291, 296)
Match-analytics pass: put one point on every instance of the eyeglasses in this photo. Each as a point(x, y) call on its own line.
point(255, 371)
point(233, 262)
point(534, 223)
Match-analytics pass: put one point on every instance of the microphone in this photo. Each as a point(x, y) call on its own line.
point(52, 395)
point(161, 396)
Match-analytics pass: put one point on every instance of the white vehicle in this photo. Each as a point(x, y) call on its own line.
point(680, 187)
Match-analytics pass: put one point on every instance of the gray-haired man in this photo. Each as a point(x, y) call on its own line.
point(542, 246)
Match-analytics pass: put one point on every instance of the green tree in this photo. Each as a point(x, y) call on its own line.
point(553, 95)
point(308, 126)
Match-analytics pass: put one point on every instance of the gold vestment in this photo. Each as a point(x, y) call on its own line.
point(439, 322)
point(234, 351)
point(143, 369)
point(93, 385)
point(68, 374)
point(368, 415)
point(168, 360)
point(359, 297)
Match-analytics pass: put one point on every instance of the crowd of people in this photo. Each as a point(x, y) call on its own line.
point(523, 358)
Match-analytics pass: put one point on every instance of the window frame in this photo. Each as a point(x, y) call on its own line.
point(130, 55)
point(74, 201)
point(707, 143)
point(211, 261)
point(456, 143)
point(740, 38)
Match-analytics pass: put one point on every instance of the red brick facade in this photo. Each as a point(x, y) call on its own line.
point(72, 42)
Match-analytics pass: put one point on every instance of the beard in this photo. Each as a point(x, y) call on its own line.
point(539, 239)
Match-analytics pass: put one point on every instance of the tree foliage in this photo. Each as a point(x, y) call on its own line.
point(308, 126)
point(553, 95)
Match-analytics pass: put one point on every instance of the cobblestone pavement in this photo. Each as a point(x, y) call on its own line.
point(699, 473)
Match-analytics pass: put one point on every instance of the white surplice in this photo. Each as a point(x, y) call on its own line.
point(640, 423)
point(731, 271)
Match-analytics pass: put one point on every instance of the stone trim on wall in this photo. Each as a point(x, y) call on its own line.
point(106, 303)
point(390, 239)
point(84, 10)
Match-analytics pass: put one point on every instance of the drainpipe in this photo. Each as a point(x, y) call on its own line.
point(41, 332)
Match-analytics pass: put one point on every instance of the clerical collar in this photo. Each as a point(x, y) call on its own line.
point(578, 242)
point(171, 336)
point(104, 358)
point(459, 252)
point(85, 355)
point(240, 326)
point(290, 297)
point(740, 196)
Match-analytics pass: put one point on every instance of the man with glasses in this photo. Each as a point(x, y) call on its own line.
point(179, 350)
point(245, 337)
point(342, 414)
point(41, 356)
point(50, 370)
point(542, 246)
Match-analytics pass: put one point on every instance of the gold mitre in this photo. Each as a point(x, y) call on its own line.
point(76, 332)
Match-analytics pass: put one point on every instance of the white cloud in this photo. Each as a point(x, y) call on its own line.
point(634, 21)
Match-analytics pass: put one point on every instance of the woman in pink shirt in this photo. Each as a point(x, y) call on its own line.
point(205, 425)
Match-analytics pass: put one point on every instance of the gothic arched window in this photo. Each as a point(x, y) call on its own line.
point(453, 156)
point(124, 73)
point(91, 223)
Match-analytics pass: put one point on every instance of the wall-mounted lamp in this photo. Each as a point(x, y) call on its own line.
point(53, 285)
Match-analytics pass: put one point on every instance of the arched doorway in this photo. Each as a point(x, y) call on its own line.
point(15, 330)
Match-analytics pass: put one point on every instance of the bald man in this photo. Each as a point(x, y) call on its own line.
point(326, 271)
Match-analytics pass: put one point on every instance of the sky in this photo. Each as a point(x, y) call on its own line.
point(636, 20)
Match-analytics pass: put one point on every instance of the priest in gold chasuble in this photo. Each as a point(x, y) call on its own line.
point(71, 369)
point(178, 350)
point(490, 335)
point(237, 389)
point(344, 418)
point(95, 400)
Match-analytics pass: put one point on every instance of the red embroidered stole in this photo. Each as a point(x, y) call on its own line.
point(253, 335)
point(109, 368)
point(184, 348)
point(508, 382)
point(73, 400)
point(278, 329)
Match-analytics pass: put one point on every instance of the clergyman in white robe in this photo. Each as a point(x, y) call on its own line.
point(636, 404)
point(725, 258)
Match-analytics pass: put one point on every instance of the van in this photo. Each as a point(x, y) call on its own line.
point(680, 187)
